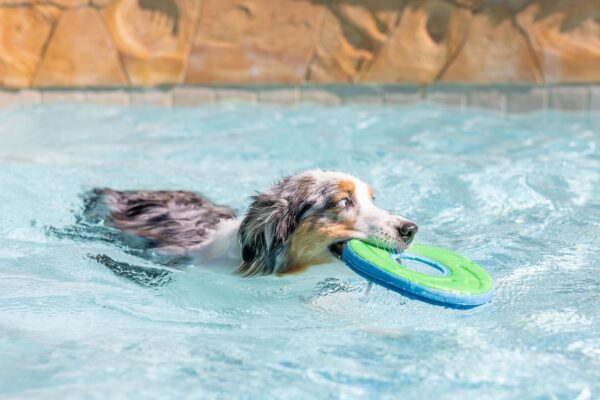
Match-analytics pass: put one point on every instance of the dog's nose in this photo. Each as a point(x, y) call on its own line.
point(407, 231)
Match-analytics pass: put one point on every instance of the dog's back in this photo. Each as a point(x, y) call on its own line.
point(176, 221)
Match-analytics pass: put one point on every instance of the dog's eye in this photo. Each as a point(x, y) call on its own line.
point(343, 203)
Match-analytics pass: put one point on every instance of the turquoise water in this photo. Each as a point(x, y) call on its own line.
point(519, 195)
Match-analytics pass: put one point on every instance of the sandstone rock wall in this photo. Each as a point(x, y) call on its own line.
point(155, 42)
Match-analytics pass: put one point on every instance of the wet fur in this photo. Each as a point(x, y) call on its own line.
point(171, 221)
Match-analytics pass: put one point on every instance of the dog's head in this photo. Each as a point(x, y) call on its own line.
point(306, 218)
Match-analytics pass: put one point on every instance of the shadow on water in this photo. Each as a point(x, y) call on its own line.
point(143, 276)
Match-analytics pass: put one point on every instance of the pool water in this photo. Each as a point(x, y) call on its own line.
point(519, 195)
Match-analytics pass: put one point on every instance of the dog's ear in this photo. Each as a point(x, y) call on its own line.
point(264, 234)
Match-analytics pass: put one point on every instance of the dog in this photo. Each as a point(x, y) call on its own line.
point(300, 221)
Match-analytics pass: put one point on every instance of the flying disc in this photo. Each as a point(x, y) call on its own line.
point(456, 281)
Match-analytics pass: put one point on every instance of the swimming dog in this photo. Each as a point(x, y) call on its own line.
point(300, 221)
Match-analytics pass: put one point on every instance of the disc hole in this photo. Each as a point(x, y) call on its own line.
point(422, 265)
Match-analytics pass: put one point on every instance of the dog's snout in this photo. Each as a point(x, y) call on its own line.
point(407, 231)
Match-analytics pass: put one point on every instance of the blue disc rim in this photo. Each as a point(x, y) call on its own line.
point(408, 288)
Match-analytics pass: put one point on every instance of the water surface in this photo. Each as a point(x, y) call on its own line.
point(519, 195)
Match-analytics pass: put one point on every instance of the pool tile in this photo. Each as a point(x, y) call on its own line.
point(402, 95)
point(236, 94)
point(279, 95)
point(447, 96)
point(349, 94)
point(569, 98)
point(17, 97)
point(62, 96)
point(152, 97)
point(492, 99)
point(595, 98)
point(193, 96)
point(526, 99)
point(359, 94)
point(356, 94)
point(118, 97)
point(319, 96)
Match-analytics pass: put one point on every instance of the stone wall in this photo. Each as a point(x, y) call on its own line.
point(67, 43)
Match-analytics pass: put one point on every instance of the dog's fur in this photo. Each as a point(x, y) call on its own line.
point(300, 221)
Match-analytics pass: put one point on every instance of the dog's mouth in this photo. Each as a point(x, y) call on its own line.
point(337, 248)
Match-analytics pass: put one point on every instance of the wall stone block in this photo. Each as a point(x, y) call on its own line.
point(495, 50)
point(253, 41)
point(80, 53)
point(24, 32)
point(565, 36)
point(424, 38)
point(153, 37)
